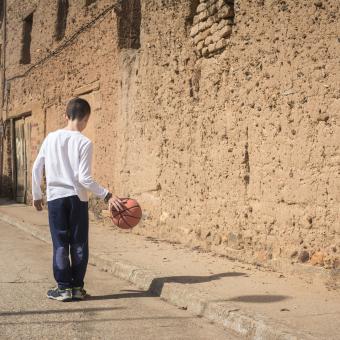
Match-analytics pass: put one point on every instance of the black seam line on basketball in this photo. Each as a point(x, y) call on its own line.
point(125, 221)
point(119, 218)
point(118, 212)
point(135, 206)
point(131, 216)
point(118, 222)
point(137, 218)
point(112, 217)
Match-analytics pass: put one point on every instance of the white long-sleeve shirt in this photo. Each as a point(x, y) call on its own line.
point(67, 157)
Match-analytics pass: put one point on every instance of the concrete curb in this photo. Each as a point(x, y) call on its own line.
point(198, 303)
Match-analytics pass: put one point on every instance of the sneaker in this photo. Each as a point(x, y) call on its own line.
point(78, 293)
point(60, 294)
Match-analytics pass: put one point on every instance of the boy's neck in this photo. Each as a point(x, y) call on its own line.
point(71, 127)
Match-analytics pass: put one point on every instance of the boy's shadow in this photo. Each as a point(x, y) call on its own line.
point(156, 286)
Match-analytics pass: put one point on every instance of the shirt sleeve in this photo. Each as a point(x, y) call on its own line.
point(37, 172)
point(85, 178)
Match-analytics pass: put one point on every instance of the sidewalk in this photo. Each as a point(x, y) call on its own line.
point(254, 303)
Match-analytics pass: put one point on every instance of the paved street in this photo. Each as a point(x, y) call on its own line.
point(115, 310)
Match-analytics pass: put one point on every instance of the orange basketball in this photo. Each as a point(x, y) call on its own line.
point(129, 217)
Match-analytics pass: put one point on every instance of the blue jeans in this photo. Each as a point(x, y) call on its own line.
point(69, 225)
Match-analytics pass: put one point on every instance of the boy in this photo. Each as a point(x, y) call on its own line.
point(66, 155)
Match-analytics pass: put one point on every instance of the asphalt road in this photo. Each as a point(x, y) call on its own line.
point(115, 309)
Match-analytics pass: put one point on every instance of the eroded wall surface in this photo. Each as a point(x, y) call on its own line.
point(222, 121)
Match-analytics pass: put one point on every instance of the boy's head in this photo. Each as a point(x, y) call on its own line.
point(78, 110)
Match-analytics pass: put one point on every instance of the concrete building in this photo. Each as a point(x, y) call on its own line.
point(221, 118)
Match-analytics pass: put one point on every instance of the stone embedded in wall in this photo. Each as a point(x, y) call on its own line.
point(212, 25)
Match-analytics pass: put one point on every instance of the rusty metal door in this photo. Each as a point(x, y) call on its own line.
point(22, 159)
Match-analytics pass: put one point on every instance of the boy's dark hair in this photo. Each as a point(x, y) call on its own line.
point(77, 108)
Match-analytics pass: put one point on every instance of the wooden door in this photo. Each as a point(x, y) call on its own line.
point(22, 159)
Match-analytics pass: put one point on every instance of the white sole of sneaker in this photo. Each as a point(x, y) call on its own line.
point(60, 298)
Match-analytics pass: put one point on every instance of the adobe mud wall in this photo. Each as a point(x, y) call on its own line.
point(83, 67)
point(221, 118)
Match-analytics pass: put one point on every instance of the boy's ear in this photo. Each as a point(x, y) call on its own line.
point(65, 117)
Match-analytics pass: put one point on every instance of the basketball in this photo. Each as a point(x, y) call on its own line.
point(129, 217)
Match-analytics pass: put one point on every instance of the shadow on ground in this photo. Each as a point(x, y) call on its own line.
point(258, 298)
point(85, 321)
point(157, 285)
point(64, 310)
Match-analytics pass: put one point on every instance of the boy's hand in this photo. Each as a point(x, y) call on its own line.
point(38, 204)
point(116, 202)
